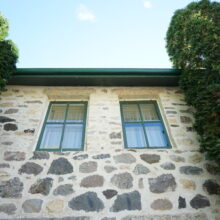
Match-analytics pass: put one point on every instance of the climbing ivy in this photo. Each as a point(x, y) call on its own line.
point(8, 54)
point(193, 44)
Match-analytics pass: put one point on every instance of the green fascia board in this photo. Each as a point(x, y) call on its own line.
point(95, 77)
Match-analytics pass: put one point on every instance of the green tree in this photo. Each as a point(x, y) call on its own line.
point(193, 44)
point(193, 37)
point(8, 54)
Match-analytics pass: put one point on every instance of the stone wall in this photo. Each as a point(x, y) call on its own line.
point(105, 181)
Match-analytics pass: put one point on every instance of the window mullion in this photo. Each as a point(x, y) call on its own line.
point(64, 125)
point(142, 123)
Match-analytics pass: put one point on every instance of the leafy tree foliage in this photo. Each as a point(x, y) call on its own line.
point(193, 44)
point(8, 54)
point(193, 37)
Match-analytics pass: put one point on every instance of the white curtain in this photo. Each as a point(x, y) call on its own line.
point(57, 113)
point(135, 136)
point(51, 137)
point(155, 135)
point(75, 113)
point(72, 136)
point(131, 112)
point(148, 112)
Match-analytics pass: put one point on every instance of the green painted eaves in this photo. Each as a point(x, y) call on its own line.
point(95, 77)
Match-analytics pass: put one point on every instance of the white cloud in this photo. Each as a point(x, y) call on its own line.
point(147, 4)
point(84, 14)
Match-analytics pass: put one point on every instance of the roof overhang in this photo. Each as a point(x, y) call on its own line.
point(95, 77)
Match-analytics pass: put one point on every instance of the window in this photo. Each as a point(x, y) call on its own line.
point(143, 126)
point(64, 127)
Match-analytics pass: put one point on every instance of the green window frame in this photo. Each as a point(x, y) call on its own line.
point(143, 126)
point(64, 127)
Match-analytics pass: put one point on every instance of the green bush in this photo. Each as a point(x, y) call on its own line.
point(8, 54)
point(193, 44)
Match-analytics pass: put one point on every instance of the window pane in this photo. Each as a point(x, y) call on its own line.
point(148, 112)
point(75, 113)
point(135, 135)
point(73, 136)
point(131, 112)
point(155, 135)
point(57, 113)
point(51, 137)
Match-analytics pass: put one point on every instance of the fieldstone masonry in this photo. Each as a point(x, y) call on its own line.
point(105, 181)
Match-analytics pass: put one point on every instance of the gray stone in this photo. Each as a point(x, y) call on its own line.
point(196, 216)
point(140, 169)
point(71, 218)
point(182, 202)
point(40, 155)
point(211, 168)
point(191, 170)
point(60, 179)
point(53, 218)
point(92, 181)
point(4, 165)
point(161, 204)
point(101, 156)
point(185, 119)
point(7, 143)
point(122, 180)
point(180, 104)
point(32, 205)
point(189, 110)
point(141, 183)
point(106, 218)
point(81, 157)
point(72, 178)
point(4, 119)
point(34, 102)
point(10, 127)
point(11, 111)
point(109, 193)
point(163, 183)
point(124, 158)
point(127, 201)
point(211, 187)
point(174, 126)
point(177, 158)
point(188, 129)
point(171, 112)
point(150, 158)
point(63, 190)
point(30, 168)
point(11, 188)
point(8, 208)
point(139, 217)
point(42, 186)
point(60, 166)
point(29, 131)
point(88, 167)
point(199, 201)
point(14, 155)
point(88, 202)
point(168, 166)
point(109, 169)
point(115, 135)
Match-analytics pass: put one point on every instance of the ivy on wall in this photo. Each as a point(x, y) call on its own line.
point(193, 44)
point(8, 54)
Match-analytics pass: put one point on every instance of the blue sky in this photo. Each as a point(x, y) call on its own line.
point(90, 33)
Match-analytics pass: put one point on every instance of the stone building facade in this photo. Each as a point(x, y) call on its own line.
point(106, 180)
